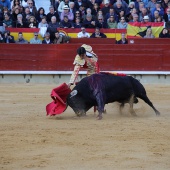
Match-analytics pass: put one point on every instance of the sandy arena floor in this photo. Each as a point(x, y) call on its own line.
point(31, 141)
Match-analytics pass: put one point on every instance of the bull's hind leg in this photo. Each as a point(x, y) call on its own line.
point(121, 108)
point(146, 99)
point(131, 101)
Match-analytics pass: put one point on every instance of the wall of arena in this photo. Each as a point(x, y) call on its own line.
point(147, 60)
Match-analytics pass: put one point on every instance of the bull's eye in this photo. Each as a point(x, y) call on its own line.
point(73, 93)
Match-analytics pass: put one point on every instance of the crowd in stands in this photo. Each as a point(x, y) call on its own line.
point(82, 14)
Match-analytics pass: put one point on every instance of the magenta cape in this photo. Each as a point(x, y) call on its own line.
point(59, 96)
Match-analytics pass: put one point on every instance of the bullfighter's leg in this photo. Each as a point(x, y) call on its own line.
point(146, 99)
point(131, 101)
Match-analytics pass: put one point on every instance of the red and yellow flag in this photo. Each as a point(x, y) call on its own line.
point(138, 29)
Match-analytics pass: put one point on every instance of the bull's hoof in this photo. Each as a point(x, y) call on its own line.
point(99, 117)
point(157, 113)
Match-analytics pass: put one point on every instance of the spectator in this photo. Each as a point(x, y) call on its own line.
point(111, 13)
point(21, 40)
point(60, 39)
point(146, 19)
point(16, 5)
point(164, 33)
point(166, 16)
point(106, 7)
point(1, 38)
point(144, 12)
point(6, 11)
point(53, 25)
point(149, 33)
point(35, 40)
point(123, 39)
point(100, 23)
point(67, 13)
point(20, 23)
point(83, 33)
point(118, 6)
point(151, 5)
point(88, 22)
point(65, 23)
point(8, 38)
point(5, 3)
point(78, 3)
point(122, 14)
point(131, 6)
point(77, 15)
point(157, 8)
point(122, 24)
point(99, 14)
point(14, 17)
point(77, 23)
point(7, 22)
point(112, 24)
point(27, 14)
point(88, 12)
point(51, 14)
point(98, 34)
point(62, 5)
point(32, 23)
point(47, 39)
point(82, 10)
point(40, 14)
point(72, 7)
point(135, 18)
point(43, 22)
point(25, 4)
point(31, 7)
point(164, 4)
point(95, 9)
point(156, 16)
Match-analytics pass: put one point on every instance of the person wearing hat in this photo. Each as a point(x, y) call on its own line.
point(87, 59)
point(146, 19)
point(62, 5)
point(67, 13)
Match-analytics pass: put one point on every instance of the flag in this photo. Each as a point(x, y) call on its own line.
point(138, 29)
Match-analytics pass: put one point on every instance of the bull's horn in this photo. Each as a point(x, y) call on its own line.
point(73, 93)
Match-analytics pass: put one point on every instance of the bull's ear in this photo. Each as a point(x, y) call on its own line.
point(73, 93)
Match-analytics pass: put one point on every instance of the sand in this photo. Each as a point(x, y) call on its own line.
point(31, 140)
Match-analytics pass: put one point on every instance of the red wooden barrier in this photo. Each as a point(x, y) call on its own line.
point(130, 57)
point(149, 40)
point(93, 40)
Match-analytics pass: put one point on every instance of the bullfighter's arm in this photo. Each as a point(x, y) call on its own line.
point(74, 74)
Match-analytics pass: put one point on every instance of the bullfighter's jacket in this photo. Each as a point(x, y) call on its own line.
point(89, 63)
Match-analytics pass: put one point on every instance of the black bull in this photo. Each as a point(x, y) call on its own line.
point(100, 89)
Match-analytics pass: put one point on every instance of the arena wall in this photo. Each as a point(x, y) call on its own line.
point(148, 62)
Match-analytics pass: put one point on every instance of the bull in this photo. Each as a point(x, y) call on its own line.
point(103, 88)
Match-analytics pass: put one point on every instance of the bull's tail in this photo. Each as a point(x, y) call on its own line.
point(146, 99)
point(140, 92)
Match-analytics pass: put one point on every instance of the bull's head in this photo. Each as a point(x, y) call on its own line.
point(76, 101)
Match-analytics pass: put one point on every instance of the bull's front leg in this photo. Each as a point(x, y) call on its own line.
point(101, 104)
